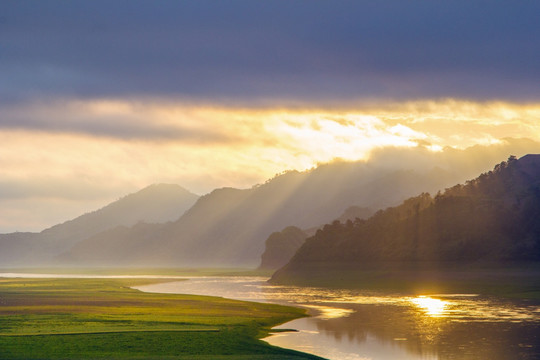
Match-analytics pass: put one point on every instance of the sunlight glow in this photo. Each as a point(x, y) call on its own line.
point(435, 148)
point(116, 146)
point(432, 307)
point(329, 312)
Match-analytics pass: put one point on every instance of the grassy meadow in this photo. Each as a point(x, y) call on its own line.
point(106, 319)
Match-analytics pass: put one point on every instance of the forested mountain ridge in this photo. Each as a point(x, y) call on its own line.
point(493, 218)
point(281, 246)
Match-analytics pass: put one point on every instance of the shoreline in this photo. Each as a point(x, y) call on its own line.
point(119, 290)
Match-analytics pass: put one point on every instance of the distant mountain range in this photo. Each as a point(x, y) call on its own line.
point(228, 227)
point(494, 218)
point(155, 204)
point(166, 225)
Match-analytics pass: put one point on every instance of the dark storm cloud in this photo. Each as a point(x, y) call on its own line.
point(307, 50)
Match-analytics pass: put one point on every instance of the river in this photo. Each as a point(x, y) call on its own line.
point(359, 325)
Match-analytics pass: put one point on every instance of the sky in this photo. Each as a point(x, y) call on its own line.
point(99, 98)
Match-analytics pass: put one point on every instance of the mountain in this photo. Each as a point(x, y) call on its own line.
point(281, 246)
point(355, 212)
point(228, 227)
point(155, 204)
point(491, 219)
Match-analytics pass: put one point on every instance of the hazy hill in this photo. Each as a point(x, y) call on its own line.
point(155, 204)
point(228, 227)
point(281, 246)
point(494, 218)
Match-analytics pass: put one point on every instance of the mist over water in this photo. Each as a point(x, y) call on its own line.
point(359, 325)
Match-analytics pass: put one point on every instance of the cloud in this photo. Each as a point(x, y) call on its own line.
point(98, 97)
point(244, 51)
point(82, 150)
point(115, 119)
point(356, 130)
point(471, 160)
point(463, 123)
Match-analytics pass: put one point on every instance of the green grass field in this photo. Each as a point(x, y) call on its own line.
point(106, 319)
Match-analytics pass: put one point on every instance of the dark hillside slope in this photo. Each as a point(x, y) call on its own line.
point(281, 246)
point(494, 218)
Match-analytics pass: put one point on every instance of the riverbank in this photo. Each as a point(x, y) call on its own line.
point(511, 280)
point(359, 324)
point(106, 319)
point(137, 271)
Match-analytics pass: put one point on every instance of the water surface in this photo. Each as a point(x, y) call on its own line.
point(360, 325)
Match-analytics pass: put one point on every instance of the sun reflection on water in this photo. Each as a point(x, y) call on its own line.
point(328, 312)
point(350, 324)
point(431, 306)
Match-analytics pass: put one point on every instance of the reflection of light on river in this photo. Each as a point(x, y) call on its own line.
point(327, 312)
point(457, 307)
point(431, 306)
point(360, 325)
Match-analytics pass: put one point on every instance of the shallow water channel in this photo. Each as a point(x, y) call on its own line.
point(359, 325)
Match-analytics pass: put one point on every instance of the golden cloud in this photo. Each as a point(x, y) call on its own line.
point(130, 144)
